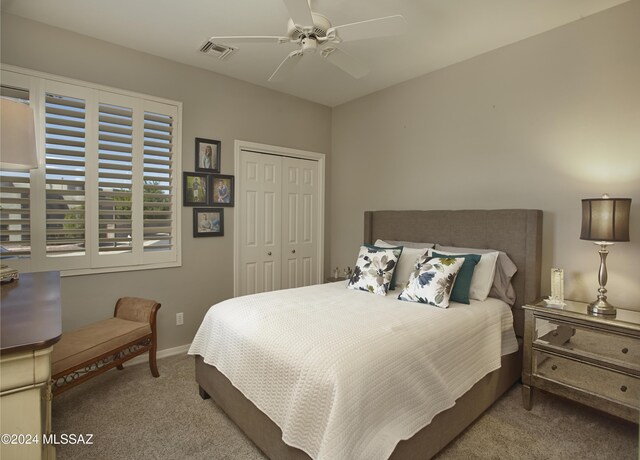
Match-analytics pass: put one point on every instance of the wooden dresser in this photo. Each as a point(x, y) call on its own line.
point(30, 323)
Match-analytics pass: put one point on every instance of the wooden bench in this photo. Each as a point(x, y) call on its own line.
point(98, 347)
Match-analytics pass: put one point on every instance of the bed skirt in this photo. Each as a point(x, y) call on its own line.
point(423, 445)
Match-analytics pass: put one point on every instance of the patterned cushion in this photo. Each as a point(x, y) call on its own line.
point(406, 263)
point(374, 269)
point(432, 280)
point(392, 285)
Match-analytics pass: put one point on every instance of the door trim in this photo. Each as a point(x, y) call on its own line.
point(266, 149)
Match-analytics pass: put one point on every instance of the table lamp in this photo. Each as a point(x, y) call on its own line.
point(605, 221)
point(17, 147)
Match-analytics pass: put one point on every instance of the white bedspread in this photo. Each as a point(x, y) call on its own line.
point(347, 374)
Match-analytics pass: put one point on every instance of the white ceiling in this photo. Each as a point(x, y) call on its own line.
point(439, 33)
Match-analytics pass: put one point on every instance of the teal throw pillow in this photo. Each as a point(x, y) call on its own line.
point(460, 292)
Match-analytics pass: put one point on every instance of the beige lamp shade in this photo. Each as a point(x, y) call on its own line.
point(605, 219)
point(18, 138)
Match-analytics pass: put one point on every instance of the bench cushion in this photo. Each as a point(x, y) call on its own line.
point(89, 342)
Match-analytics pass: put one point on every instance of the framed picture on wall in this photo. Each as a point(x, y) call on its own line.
point(195, 189)
point(208, 155)
point(221, 190)
point(208, 222)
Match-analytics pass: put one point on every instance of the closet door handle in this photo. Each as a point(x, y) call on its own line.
point(293, 251)
point(269, 253)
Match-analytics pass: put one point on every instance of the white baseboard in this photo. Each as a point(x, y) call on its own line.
point(144, 358)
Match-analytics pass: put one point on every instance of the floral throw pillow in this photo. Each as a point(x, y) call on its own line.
point(374, 269)
point(432, 280)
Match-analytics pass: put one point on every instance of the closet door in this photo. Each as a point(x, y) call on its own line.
point(260, 247)
point(299, 222)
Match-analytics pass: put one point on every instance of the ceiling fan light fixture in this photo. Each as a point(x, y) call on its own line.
point(320, 26)
point(309, 45)
point(313, 33)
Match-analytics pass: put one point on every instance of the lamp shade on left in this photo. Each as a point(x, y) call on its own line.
point(18, 139)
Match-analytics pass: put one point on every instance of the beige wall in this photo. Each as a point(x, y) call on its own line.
point(214, 107)
point(539, 124)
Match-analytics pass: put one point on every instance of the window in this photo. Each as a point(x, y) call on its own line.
point(105, 196)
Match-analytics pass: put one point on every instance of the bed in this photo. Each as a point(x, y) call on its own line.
point(516, 232)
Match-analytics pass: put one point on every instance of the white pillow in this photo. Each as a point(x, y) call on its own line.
point(432, 281)
point(407, 262)
point(482, 278)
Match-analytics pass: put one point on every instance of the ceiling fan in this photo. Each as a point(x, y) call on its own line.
point(313, 32)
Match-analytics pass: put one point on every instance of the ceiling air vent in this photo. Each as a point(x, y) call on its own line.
point(217, 50)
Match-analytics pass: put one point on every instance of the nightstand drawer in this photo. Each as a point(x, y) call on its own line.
point(596, 344)
point(592, 379)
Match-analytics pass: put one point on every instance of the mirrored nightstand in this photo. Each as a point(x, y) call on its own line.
point(594, 360)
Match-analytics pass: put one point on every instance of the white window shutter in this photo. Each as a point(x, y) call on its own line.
point(65, 143)
point(115, 179)
point(159, 182)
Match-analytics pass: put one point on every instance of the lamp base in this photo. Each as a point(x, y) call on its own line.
point(601, 308)
point(8, 274)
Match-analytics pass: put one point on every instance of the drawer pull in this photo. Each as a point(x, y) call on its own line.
point(554, 367)
point(625, 350)
point(623, 388)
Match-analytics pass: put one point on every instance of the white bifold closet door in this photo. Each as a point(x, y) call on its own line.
point(278, 245)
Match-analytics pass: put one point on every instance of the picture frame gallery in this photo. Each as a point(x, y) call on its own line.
point(208, 191)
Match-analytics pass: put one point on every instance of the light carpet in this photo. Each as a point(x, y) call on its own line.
point(135, 416)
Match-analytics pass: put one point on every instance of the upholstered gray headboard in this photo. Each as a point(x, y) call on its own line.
point(518, 232)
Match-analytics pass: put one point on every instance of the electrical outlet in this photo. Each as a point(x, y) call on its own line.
point(179, 319)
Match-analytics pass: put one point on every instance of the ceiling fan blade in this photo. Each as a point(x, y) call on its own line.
point(300, 12)
point(251, 39)
point(345, 62)
point(286, 66)
point(380, 27)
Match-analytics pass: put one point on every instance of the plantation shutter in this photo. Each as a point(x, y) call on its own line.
point(115, 179)
point(159, 192)
point(15, 210)
point(65, 143)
